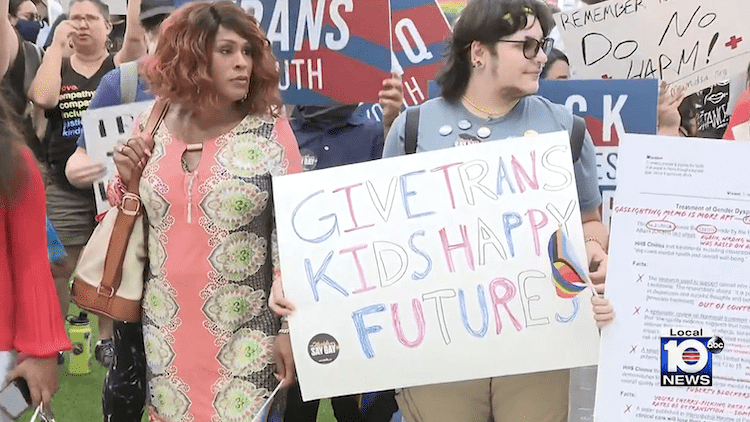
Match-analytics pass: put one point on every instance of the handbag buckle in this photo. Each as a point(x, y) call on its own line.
point(111, 291)
point(133, 198)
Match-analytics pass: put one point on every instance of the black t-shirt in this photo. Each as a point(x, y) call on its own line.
point(65, 125)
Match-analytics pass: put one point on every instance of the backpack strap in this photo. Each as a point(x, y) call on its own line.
point(412, 130)
point(577, 136)
point(128, 82)
point(32, 61)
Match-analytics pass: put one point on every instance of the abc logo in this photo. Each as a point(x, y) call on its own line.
point(687, 361)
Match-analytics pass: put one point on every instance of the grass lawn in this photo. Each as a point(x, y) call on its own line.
point(80, 396)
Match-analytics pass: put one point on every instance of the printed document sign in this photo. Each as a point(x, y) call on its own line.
point(104, 128)
point(677, 277)
point(441, 266)
point(688, 43)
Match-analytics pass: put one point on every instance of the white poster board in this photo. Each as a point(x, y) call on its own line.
point(104, 128)
point(689, 43)
point(679, 258)
point(432, 267)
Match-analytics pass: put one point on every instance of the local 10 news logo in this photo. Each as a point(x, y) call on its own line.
point(687, 356)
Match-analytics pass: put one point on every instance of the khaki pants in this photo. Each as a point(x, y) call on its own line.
point(538, 397)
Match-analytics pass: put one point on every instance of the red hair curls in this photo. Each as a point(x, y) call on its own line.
point(180, 67)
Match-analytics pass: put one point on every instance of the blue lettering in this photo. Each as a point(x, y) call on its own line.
point(482, 306)
point(363, 331)
point(416, 275)
point(334, 228)
point(321, 276)
point(405, 194)
point(511, 220)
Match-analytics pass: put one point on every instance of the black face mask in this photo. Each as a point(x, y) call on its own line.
point(29, 30)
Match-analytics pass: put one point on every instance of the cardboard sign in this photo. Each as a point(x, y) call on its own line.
point(104, 128)
point(689, 43)
point(419, 34)
point(432, 267)
point(611, 108)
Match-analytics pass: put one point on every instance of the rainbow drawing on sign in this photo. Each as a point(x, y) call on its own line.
point(566, 270)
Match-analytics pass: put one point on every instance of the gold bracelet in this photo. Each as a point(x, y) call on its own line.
point(594, 239)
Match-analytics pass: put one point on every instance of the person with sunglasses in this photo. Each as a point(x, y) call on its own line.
point(488, 82)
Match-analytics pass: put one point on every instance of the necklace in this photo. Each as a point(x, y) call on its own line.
point(489, 114)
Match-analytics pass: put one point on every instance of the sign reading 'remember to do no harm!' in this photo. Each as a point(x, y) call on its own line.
point(433, 267)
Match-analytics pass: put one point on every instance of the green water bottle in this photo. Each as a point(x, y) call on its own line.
point(79, 332)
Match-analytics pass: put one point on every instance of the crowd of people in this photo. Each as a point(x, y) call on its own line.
point(226, 132)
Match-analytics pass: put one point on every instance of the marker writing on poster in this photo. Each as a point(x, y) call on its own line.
point(502, 302)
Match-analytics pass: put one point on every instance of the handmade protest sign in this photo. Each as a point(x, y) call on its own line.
point(434, 267)
point(679, 259)
point(104, 128)
point(419, 33)
point(689, 43)
point(327, 50)
point(611, 108)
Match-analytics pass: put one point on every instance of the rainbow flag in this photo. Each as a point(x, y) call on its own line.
point(452, 8)
point(567, 272)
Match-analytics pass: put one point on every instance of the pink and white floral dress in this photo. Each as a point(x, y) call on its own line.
point(207, 328)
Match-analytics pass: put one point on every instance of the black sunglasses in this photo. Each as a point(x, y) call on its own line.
point(531, 46)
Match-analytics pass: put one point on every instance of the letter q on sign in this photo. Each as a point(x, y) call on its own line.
point(422, 53)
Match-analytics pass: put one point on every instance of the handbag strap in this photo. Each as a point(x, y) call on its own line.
point(161, 107)
point(129, 211)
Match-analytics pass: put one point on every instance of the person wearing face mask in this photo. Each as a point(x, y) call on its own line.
point(24, 16)
point(64, 84)
point(124, 392)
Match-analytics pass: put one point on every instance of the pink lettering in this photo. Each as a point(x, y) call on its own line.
point(510, 293)
point(416, 306)
point(465, 245)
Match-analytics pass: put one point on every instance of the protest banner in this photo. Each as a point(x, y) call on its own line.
point(419, 33)
point(328, 51)
point(611, 108)
point(104, 128)
point(679, 259)
point(433, 267)
point(688, 43)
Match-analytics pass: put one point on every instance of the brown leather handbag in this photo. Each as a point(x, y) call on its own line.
point(108, 280)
